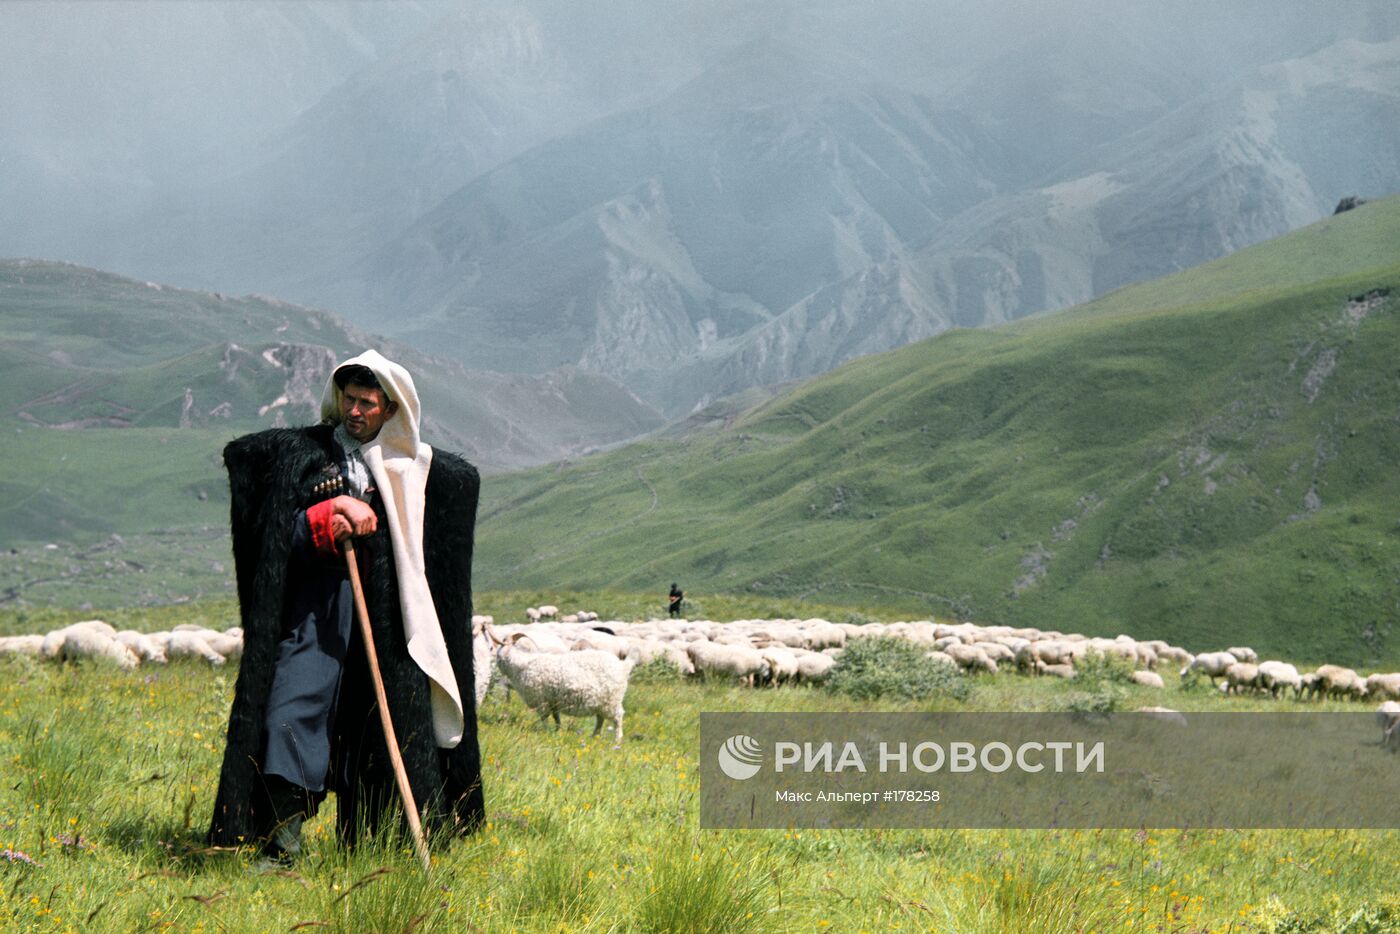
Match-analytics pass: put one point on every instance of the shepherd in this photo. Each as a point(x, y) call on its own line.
point(304, 719)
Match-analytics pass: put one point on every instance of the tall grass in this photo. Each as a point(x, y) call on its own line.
point(109, 776)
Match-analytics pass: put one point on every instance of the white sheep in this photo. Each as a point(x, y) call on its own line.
point(971, 658)
point(814, 667)
point(1210, 664)
point(602, 642)
point(483, 660)
point(185, 643)
point(228, 643)
point(88, 639)
point(1061, 670)
point(734, 661)
point(1148, 679)
point(997, 652)
point(1336, 681)
point(1276, 676)
point(1244, 654)
point(819, 634)
point(782, 664)
point(1165, 714)
point(548, 611)
point(579, 684)
point(52, 646)
point(1388, 716)
point(1241, 676)
point(643, 651)
point(1172, 655)
point(146, 648)
point(21, 645)
point(532, 614)
point(1384, 685)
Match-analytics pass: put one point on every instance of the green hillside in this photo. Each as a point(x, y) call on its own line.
point(1219, 470)
point(120, 395)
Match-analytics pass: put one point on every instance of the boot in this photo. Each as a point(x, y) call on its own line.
point(287, 808)
point(283, 845)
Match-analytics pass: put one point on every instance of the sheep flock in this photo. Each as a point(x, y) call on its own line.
point(574, 664)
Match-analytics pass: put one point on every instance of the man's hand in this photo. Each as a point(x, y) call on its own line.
point(352, 517)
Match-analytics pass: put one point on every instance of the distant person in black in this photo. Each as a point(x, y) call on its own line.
point(676, 596)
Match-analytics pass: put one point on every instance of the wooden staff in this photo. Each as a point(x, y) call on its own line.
point(415, 825)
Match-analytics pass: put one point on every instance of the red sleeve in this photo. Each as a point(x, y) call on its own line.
point(319, 518)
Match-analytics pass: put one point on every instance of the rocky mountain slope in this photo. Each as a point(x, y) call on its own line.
point(84, 351)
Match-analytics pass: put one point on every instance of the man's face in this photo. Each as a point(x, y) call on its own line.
point(364, 411)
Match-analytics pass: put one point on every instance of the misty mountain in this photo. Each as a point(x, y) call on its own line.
point(781, 214)
point(687, 198)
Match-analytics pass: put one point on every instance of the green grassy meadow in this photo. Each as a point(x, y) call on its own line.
point(109, 778)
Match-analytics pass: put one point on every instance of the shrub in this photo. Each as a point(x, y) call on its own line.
point(886, 667)
point(658, 670)
point(1098, 669)
point(1105, 699)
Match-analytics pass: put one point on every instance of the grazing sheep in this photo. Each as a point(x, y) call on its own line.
point(183, 643)
point(548, 611)
point(1276, 676)
point(146, 648)
point(1210, 664)
point(579, 684)
point(1058, 651)
point(1244, 654)
point(1149, 679)
point(814, 667)
point(1165, 714)
point(819, 634)
point(90, 639)
point(21, 645)
point(1384, 685)
point(971, 658)
point(734, 661)
point(602, 642)
point(1241, 676)
point(541, 637)
point(782, 664)
point(1388, 716)
point(52, 646)
point(1059, 671)
point(228, 643)
point(532, 615)
point(644, 651)
point(997, 652)
point(1340, 682)
point(1172, 655)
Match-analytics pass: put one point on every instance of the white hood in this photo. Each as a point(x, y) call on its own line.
point(399, 463)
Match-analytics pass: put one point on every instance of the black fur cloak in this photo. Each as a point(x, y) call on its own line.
point(272, 475)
